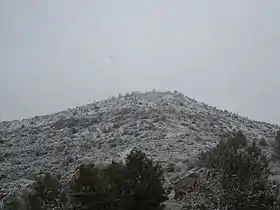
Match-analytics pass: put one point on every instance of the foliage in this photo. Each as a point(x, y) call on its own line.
point(143, 186)
point(14, 203)
point(97, 188)
point(219, 156)
point(244, 174)
point(45, 193)
point(135, 185)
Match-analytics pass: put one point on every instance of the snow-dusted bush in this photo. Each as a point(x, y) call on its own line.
point(137, 184)
point(244, 174)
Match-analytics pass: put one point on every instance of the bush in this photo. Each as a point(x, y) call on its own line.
point(135, 185)
point(45, 194)
point(244, 174)
point(219, 156)
point(97, 188)
point(143, 183)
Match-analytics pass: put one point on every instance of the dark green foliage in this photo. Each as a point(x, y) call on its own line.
point(142, 183)
point(246, 180)
point(135, 185)
point(244, 174)
point(12, 204)
point(45, 193)
point(256, 195)
point(97, 188)
point(222, 154)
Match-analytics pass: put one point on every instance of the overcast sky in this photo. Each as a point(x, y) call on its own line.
point(58, 54)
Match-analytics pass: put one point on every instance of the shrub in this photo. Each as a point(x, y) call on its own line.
point(219, 156)
point(14, 203)
point(143, 183)
point(244, 174)
point(134, 185)
point(45, 193)
point(97, 188)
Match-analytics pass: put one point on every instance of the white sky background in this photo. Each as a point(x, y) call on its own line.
point(55, 54)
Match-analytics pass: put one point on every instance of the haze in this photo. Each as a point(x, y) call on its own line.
point(56, 55)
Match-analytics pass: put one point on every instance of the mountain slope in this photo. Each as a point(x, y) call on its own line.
point(167, 126)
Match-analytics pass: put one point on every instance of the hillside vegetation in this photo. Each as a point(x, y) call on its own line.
point(138, 183)
point(154, 150)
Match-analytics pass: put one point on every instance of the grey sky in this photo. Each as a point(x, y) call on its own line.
point(57, 54)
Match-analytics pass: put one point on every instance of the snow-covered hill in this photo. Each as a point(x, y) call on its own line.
point(167, 126)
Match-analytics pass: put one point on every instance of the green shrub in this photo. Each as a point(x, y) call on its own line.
point(244, 174)
point(219, 156)
point(14, 203)
point(97, 188)
point(143, 183)
point(134, 185)
point(45, 193)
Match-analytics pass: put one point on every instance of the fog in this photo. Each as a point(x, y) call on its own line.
point(61, 54)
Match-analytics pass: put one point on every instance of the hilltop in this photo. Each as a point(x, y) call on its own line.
point(167, 126)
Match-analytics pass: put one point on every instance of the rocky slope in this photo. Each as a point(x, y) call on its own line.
point(167, 126)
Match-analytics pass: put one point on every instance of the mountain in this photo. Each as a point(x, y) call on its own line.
point(167, 126)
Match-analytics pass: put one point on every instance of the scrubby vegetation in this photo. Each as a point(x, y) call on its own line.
point(244, 171)
point(46, 192)
point(135, 185)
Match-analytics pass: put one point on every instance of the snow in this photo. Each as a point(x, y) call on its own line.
point(168, 126)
